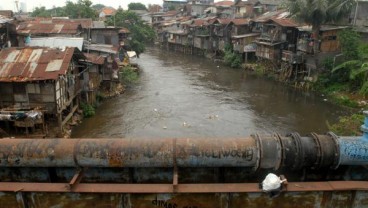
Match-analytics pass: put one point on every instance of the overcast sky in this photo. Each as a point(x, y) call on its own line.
point(31, 4)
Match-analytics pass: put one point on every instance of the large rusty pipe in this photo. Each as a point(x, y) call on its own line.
point(257, 152)
point(128, 152)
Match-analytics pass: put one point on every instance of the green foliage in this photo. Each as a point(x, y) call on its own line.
point(136, 6)
point(41, 12)
point(81, 9)
point(129, 75)
point(318, 12)
point(88, 110)
point(172, 8)
point(348, 125)
point(232, 59)
point(98, 7)
point(328, 63)
point(349, 41)
point(345, 101)
point(356, 70)
point(140, 32)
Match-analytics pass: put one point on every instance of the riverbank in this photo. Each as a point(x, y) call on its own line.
point(128, 75)
point(354, 102)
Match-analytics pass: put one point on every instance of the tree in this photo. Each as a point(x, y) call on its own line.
point(136, 6)
point(319, 12)
point(98, 7)
point(41, 12)
point(140, 32)
point(81, 9)
point(355, 68)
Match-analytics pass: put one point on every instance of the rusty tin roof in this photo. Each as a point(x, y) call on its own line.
point(94, 58)
point(33, 64)
point(285, 22)
point(48, 28)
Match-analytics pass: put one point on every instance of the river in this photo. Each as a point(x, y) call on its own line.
point(181, 95)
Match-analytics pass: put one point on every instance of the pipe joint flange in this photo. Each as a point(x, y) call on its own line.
point(335, 139)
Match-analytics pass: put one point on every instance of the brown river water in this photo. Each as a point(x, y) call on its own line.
point(181, 95)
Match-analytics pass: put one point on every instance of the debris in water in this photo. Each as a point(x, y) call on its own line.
point(155, 110)
point(325, 100)
point(164, 127)
point(213, 117)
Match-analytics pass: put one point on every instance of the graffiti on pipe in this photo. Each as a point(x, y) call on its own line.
point(246, 154)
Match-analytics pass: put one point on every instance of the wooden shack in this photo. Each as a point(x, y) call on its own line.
point(41, 78)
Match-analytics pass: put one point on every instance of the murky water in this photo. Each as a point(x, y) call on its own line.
point(186, 96)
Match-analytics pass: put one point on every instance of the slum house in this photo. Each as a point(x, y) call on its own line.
point(109, 36)
point(90, 81)
point(255, 8)
point(6, 28)
point(243, 38)
point(26, 31)
point(92, 78)
point(36, 81)
point(245, 9)
point(175, 4)
point(220, 10)
point(200, 31)
point(277, 35)
point(110, 68)
point(106, 12)
point(359, 18)
point(178, 36)
point(221, 35)
point(329, 45)
point(86, 24)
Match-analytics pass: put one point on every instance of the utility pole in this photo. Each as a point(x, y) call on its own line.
point(16, 5)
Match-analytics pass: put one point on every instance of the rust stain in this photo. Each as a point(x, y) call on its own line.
point(30, 64)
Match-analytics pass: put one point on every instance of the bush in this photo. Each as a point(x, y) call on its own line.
point(348, 125)
point(88, 110)
point(345, 101)
point(232, 59)
point(129, 75)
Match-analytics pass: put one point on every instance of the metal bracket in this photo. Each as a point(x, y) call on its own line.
point(175, 171)
point(76, 179)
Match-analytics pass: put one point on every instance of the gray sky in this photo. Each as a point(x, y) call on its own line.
point(31, 4)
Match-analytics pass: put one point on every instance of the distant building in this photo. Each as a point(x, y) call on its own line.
point(168, 4)
point(23, 7)
point(107, 12)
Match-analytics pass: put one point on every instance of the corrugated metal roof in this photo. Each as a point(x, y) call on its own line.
point(95, 59)
point(4, 19)
point(240, 21)
point(7, 13)
point(85, 23)
point(48, 28)
point(224, 3)
point(272, 15)
point(222, 21)
point(245, 35)
point(57, 42)
point(102, 48)
point(32, 64)
point(285, 22)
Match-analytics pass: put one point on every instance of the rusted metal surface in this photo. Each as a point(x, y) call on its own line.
point(240, 152)
point(95, 59)
point(188, 200)
point(30, 64)
point(48, 28)
point(257, 152)
point(180, 188)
